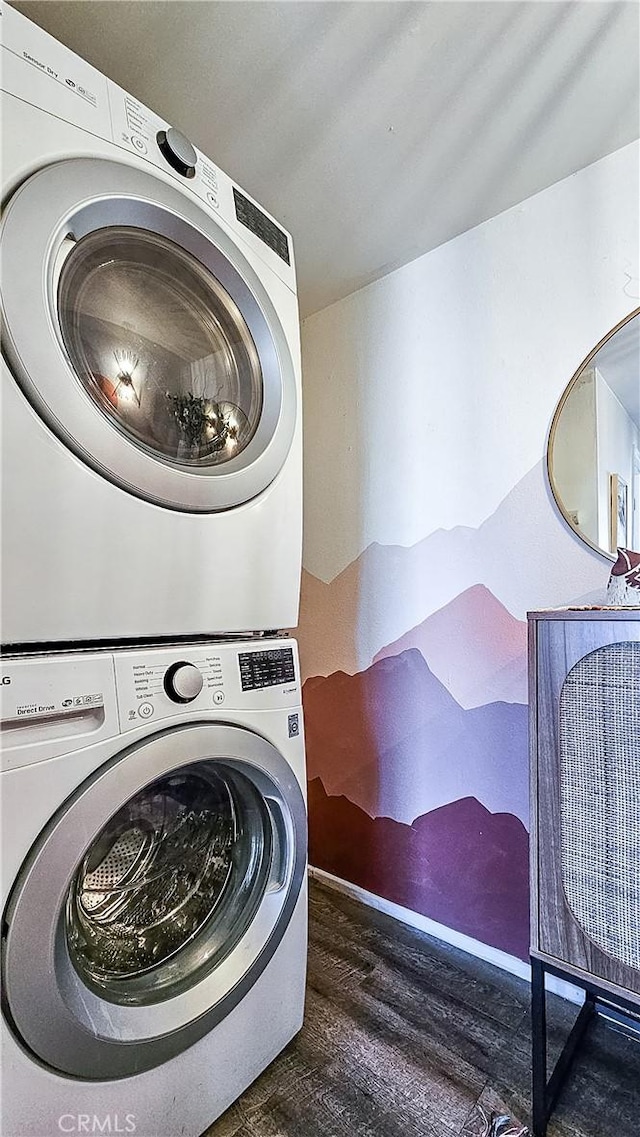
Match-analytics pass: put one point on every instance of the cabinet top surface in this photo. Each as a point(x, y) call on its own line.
point(586, 613)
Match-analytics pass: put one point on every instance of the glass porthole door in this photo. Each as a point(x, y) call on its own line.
point(153, 928)
point(143, 336)
point(169, 885)
point(160, 346)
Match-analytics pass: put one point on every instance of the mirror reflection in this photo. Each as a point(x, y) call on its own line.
point(594, 444)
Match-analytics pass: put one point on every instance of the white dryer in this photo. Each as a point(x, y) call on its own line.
point(151, 465)
point(154, 883)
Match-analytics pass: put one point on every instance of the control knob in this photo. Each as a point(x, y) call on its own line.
point(183, 682)
point(178, 151)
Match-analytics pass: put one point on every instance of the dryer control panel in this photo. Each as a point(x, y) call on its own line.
point(41, 71)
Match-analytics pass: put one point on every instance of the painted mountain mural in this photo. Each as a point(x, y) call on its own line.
point(415, 692)
point(397, 744)
point(389, 590)
point(474, 647)
point(460, 865)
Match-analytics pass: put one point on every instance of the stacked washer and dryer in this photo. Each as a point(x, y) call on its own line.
point(153, 775)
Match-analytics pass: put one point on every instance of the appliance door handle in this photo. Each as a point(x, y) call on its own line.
point(282, 840)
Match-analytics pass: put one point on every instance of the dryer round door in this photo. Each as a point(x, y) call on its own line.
point(143, 337)
point(153, 901)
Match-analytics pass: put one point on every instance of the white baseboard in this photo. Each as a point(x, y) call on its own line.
point(447, 935)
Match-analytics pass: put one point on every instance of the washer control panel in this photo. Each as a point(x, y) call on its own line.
point(159, 683)
point(155, 684)
point(55, 704)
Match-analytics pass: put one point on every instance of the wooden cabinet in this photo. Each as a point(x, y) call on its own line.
point(585, 795)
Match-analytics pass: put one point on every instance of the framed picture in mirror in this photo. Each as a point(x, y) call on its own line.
point(618, 512)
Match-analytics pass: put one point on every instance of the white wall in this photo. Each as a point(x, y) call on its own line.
point(428, 394)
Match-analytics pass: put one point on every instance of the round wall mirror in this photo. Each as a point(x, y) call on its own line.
point(593, 457)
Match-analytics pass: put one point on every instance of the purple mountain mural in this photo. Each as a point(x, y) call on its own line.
point(475, 647)
point(460, 865)
point(390, 589)
point(397, 744)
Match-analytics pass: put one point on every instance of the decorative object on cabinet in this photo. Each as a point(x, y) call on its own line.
point(623, 589)
point(585, 848)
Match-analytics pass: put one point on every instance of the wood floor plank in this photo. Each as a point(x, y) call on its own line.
point(400, 1079)
point(435, 965)
point(408, 1037)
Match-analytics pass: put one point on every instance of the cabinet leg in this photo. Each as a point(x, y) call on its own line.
point(544, 1092)
point(538, 1050)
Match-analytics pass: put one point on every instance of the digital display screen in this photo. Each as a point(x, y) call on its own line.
point(266, 668)
point(248, 214)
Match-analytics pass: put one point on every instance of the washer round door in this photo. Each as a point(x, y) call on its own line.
point(153, 901)
point(143, 337)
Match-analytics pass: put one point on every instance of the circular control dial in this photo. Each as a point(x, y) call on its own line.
point(183, 682)
point(178, 151)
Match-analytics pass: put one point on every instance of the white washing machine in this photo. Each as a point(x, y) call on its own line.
point(153, 883)
point(152, 477)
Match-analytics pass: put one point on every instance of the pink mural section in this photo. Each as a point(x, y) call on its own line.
point(474, 646)
point(415, 662)
point(474, 585)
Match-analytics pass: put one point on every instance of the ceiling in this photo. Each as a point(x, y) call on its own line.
point(374, 131)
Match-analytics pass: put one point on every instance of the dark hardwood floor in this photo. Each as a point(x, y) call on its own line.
point(407, 1037)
